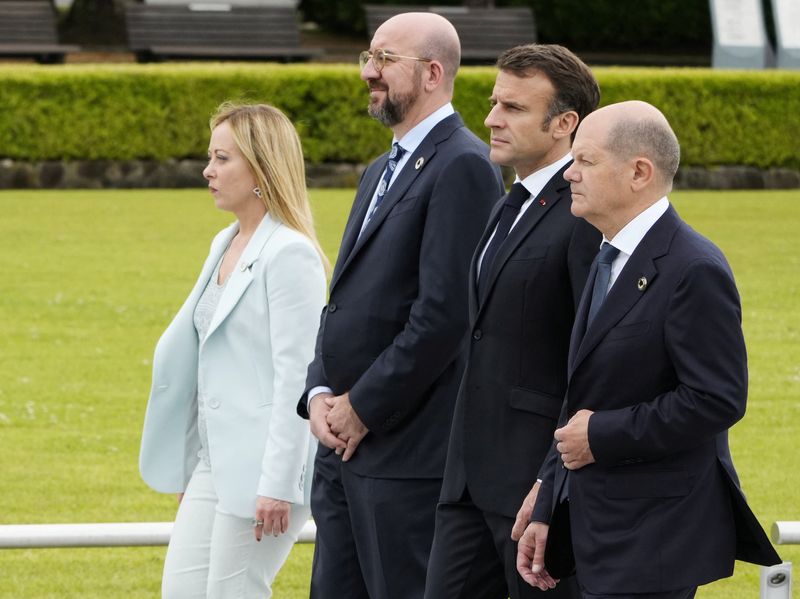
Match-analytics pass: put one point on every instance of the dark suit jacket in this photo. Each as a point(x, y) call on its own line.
point(516, 374)
point(396, 317)
point(663, 366)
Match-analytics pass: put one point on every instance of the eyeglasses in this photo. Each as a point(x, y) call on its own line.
point(380, 56)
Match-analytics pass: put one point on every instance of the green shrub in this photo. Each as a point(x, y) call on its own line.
point(119, 112)
point(162, 111)
point(720, 117)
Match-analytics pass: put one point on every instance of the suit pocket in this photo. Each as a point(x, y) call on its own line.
point(542, 404)
point(646, 485)
point(535, 252)
point(628, 330)
point(402, 206)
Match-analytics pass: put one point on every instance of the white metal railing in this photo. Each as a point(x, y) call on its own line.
point(116, 534)
point(786, 533)
point(776, 581)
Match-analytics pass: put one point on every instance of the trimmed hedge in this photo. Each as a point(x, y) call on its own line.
point(123, 112)
point(120, 112)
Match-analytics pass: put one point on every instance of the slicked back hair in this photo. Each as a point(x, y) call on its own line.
point(576, 87)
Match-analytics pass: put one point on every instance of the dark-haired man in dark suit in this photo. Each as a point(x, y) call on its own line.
point(525, 281)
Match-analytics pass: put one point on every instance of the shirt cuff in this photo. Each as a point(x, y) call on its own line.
point(314, 392)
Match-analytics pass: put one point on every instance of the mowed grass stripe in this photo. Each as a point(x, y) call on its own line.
point(91, 278)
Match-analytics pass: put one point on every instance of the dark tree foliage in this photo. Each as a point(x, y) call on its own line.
point(347, 16)
point(95, 23)
point(674, 26)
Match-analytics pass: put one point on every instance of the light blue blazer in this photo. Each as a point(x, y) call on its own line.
point(252, 365)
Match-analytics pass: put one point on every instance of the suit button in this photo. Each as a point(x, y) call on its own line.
point(477, 334)
point(331, 307)
point(213, 403)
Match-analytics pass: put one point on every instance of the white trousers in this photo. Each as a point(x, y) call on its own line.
point(214, 555)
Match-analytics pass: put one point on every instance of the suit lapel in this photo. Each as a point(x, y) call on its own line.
point(218, 247)
point(625, 292)
point(579, 326)
point(475, 302)
point(542, 203)
point(365, 192)
point(242, 274)
point(411, 170)
point(397, 190)
point(472, 295)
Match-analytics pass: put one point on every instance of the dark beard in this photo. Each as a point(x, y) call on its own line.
point(389, 112)
point(394, 110)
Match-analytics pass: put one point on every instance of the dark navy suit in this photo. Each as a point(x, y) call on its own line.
point(511, 394)
point(391, 335)
point(663, 365)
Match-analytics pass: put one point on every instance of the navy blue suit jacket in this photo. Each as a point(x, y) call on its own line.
point(394, 325)
point(516, 374)
point(664, 368)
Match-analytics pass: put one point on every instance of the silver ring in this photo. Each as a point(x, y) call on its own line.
point(258, 522)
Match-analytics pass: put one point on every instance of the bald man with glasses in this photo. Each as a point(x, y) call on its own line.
point(381, 388)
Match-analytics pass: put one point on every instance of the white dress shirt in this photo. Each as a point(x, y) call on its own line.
point(534, 183)
point(632, 234)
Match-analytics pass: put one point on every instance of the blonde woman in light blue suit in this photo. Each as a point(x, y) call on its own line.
point(221, 429)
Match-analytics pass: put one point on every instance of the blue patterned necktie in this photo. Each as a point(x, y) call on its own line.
point(604, 259)
point(394, 157)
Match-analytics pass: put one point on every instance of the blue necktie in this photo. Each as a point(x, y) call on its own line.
point(604, 259)
point(394, 157)
point(514, 200)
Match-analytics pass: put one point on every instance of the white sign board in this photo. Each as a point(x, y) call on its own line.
point(787, 22)
point(217, 3)
point(739, 23)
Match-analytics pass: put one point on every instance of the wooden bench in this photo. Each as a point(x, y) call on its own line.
point(222, 31)
point(28, 30)
point(484, 32)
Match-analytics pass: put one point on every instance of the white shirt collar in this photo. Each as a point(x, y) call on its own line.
point(414, 137)
point(631, 234)
point(534, 184)
point(536, 181)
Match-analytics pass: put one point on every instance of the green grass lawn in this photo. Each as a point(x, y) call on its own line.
point(91, 278)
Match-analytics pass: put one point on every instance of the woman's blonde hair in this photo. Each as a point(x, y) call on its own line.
point(271, 146)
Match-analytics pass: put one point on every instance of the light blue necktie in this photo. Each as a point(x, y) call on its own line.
point(394, 157)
